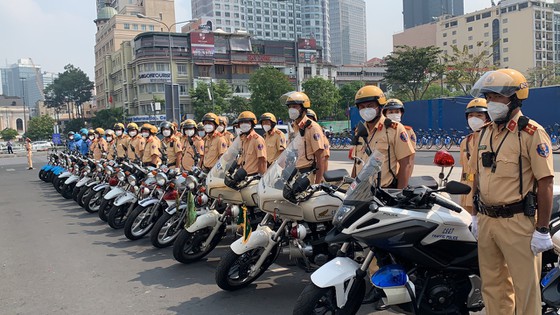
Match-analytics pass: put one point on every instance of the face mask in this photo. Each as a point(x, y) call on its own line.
point(118, 133)
point(267, 128)
point(71, 138)
point(475, 123)
point(166, 133)
point(394, 117)
point(208, 128)
point(133, 133)
point(201, 133)
point(189, 132)
point(368, 114)
point(91, 137)
point(109, 139)
point(83, 137)
point(497, 110)
point(293, 113)
point(245, 127)
point(145, 134)
point(220, 129)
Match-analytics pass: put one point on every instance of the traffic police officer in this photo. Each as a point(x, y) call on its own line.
point(253, 154)
point(193, 146)
point(82, 144)
point(327, 153)
point(394, 110)
point(311, 159)
point(214, 143)
point(274, 139)
point(388, 137)
point(98, 145)
point(222, 129)
point(71, 143)
point(121, 141)
point(200, 130)
point(514, 180)
point(111, 148)
point(172, 144)
point(136, 143)
point(151, 156)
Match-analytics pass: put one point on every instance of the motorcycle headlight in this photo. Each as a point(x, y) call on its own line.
point(161, 179)
point(131, 180)
point(192, 183)
point(121, 176)
point(341, 214)
point(87, 169)
point(99, 168)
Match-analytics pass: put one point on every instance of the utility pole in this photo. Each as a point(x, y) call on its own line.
point(24, 109)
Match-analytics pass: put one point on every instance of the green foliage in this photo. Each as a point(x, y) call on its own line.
point(40, 128)
point(73, 125)
point(324, 97)
point(543, 76)
point(267, 85)
point(221, 93)
point(107, 118)
point(8, 134)
point(347, 94)
point(237, 105)
point(465, 66)
point(73, 85)
point(411, 70)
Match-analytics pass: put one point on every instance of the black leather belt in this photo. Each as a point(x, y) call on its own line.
point(504, 211)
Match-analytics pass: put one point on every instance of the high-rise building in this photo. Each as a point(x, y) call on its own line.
point(48, 78)
point(23, 79)
point(270, 19)
point(348, 34)
point(115, 27)
point(418, 12)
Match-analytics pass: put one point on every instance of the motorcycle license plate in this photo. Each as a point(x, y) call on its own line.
point(550, 276)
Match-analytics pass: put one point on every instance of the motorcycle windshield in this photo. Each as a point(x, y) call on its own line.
point(284, 168)
point(226, 161)
point(360, 189)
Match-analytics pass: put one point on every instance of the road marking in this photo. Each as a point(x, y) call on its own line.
point(277, 268)
point(10, 169)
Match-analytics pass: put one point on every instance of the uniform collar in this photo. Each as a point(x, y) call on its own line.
point(378, 125)
point(302, 123)
point(512, 123)
point(252, 134)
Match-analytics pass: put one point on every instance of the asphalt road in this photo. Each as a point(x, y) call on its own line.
point(57, 259)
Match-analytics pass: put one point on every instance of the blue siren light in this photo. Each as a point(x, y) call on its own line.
point(390, 276)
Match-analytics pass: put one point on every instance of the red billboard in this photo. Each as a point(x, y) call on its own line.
point(202, 44)
point(307, 43)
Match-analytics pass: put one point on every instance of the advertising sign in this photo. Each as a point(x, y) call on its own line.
point(202, 44)
point(154, 77)
point(144, 118)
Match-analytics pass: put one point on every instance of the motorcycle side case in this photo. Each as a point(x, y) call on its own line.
point(259, 238)
point(71, 179)
point(336, 273)
point(128, 197)
point(209, 219)
point(148, 202)
point(114, 193)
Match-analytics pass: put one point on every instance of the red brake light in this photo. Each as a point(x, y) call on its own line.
point(351, 153)
point(444, 159)
point(113, 181)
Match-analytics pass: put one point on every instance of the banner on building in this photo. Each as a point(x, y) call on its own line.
point(307, 50)
point(146, 118)
point(202, 44)
point(154, 77)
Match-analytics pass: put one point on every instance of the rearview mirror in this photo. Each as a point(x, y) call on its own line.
point(362, 131)
point(457, 188)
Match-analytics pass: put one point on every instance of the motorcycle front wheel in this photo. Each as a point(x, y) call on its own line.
point(117, 216)
point(92, 202)
point(187, 246)
point(84, 191)
point(105, 208)
point(166, 229)
point(140, 222)
point(233, 271)
point(67, 190)
point(315, 300)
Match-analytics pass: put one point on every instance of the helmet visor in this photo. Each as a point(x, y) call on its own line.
point(494, 82)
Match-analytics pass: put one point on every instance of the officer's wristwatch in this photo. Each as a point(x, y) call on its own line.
point(543, 229)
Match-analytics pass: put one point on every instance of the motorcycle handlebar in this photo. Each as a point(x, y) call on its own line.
point(446, 203)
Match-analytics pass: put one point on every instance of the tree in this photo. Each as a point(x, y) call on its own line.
point(543, 75)
point(40, 128)
point(107, 118)
point(324, 96)
point(465, 66)
point(237, 105)
point(73, 85)
point(73, 125)
point(347, 95)
point(202, 103)
point(267, 85)
point(412, 69)
point(8, 134)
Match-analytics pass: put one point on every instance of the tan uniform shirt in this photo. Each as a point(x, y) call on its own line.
point(189, 152)
point(313, 140)
point(275, 143)
point(173, 146)
point(214, 146)
point(468, 150)
point(153, 144)
point(381, 139)
point(228, 136)
point(29, 148)
point(122, 144)
point(411, 134)
point(111, 150)
point(501, 187)
point(98, 146)
point(253, 147)
point(138, 143)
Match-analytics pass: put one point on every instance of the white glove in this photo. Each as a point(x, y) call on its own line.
point(540, 242)
point(178, 170)
point(474, 226)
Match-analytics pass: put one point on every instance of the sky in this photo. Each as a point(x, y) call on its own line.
point(55, 33)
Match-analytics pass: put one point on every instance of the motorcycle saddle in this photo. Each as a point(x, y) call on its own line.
point(335, 175)
point(428, 181)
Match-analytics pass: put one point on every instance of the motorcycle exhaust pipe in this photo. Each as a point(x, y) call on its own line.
point(295, 252)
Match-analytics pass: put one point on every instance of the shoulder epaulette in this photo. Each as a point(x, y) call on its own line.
point(277, 131)
point(530, 129)
point(407, 127)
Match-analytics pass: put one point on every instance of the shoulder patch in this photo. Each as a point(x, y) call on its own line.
point(404, 136)
point(543, 150)
point(316, 136)
point(530, 129)
point(260, 146)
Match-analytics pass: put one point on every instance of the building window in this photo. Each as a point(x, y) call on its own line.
point(470, 46)
point(182, 68)
point(19, 124)
point(151, 27)
point(486, 34)
point(444, 43)
point(135, 27)
point(504, 20)
point(505, 30)
point(485, 24)
point(227, 14)
point(143, 26)
point(470, 19)
point(470, 37)
point(183, 89)
point(126, 26)
point(506, 49)
point(444, 34)
point(218, 13)
point(506, 59)
point(470, 29)
point(506, 40)
point(454, 33)
point(454, 41)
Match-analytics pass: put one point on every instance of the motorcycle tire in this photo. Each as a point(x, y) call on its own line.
point(45, 176)
point(138, 218)
point(56, 184)
point(313, 300)
point(117, 216)
point(91, 203)
point(75, 192)
point(42, 175)
point(104, 209)
point(186, 248)
point(66, 190)
point(60, 185)
point(232, 261)
point(166, 230)
point(83, 194)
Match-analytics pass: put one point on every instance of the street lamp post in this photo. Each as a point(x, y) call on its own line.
point(295, 42)
point(24, 109)
point(170, 45)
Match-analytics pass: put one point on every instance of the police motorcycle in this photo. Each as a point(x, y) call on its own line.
point(138, 221)
point(88, 174)
point(199, 239)
point(172, 221)
point(69, 190)
point(93, 200)
point(46, 170)
point(298, 216)
point(427, 256)
point(64, 172)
